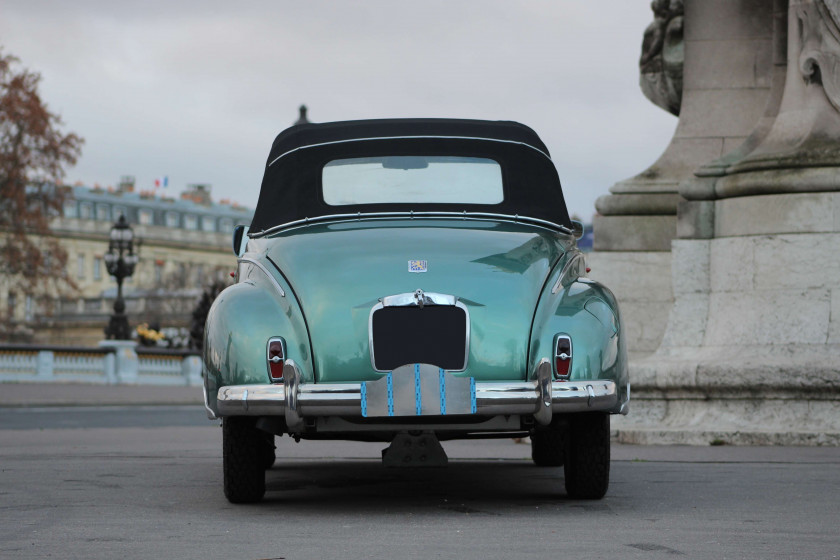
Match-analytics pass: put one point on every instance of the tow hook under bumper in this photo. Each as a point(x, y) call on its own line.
point(409, 449)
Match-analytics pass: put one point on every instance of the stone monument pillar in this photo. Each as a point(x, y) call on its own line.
point(751, 353)
point(710, 64)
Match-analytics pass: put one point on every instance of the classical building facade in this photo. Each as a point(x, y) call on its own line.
point(184, 245)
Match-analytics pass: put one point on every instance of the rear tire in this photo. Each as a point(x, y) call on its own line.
point(269, 456)
point(587, 465)
point(243, 455)
point(548, 445)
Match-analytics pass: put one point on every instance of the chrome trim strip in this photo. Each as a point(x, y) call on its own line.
point(544, 405)
point(373, 310)
point(265, 271)
point(415, 297)
point(411, 299)
point(211, 414)
point(566, 269)
point(625, 406)
point(411, 215)
point(344, 399)
point(428, 137)
point(291, 387)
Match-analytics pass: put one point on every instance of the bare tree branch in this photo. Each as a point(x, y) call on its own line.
point(33, 155)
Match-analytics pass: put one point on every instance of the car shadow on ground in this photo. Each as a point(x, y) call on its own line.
point(362, 485)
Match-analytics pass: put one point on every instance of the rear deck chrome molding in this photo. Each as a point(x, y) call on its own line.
point(464, 215)
point(297, 401)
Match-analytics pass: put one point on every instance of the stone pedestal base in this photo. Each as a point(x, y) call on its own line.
point(634, 233)
point(789, 395)
point(751, 353)
point(642, 283)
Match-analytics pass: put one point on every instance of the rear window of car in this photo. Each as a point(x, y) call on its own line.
point(410, 179)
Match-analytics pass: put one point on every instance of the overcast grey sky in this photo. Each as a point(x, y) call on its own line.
point(197, 91)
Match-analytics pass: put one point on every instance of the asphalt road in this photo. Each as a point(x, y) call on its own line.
point(145, 482)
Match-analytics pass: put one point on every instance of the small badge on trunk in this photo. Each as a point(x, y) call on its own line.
point(417, 266)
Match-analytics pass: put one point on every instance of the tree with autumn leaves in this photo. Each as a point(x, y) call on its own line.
point(34, 153)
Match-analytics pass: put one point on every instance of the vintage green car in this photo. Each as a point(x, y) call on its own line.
point(413, 281)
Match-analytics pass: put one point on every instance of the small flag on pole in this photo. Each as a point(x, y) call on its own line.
point(162, 182)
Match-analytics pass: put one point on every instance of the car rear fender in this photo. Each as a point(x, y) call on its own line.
point(588, 313)
point(242, 319)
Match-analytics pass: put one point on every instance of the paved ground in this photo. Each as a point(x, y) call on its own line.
point(145, 482)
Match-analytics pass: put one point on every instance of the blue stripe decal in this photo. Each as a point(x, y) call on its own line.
point(473, 407)
point(442, 378)
point(390, 393)
point(364, 399)
point(418, 397)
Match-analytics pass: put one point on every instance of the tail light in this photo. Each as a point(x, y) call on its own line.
point(563, 356)
point(276, 357)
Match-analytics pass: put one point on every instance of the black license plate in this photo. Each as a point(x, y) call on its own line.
point(432, 334)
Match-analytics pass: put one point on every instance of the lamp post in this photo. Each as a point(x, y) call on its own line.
point(120, 261)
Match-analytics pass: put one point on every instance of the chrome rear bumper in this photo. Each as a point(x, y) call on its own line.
point(296, 401)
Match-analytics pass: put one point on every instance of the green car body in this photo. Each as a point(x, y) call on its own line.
point(502, 333)
point(333, 274)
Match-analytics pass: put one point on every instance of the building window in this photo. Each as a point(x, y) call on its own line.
point(208, 223)
point(80, 267)
point(85, 210)
point(199, 275)
point(146, 217)
point(11, 303)
point(158, 272)
point(28, 310)
point(172, 219)
point(70, 209)
point(120, 211)
point(190, 222)
point(226, 225)
point(97, 268)
point(103, 213)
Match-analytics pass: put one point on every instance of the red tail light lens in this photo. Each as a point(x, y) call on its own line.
point(276, 357)
point(563, 356)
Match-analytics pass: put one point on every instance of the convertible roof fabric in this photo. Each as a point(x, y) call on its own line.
point(291, 187)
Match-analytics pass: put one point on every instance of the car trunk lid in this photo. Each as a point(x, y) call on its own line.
point(341, 271)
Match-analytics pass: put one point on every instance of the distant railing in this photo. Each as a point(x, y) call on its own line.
point(115, 362)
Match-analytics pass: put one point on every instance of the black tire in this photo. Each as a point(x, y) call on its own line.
point(548, 445)
point(243, 454)
point(269, 457)
point(587, 465)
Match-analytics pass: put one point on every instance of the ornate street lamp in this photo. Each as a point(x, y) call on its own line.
point(120, 261)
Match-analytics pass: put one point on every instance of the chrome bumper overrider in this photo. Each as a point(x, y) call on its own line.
point(296, 401)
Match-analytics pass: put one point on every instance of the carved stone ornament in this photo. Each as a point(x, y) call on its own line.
point(663, 54)
point(801, 150)
point(819, 60)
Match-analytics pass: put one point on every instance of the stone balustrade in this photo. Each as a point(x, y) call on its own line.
point(114, 362)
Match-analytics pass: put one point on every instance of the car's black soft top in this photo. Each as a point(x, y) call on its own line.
point(291, 187)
